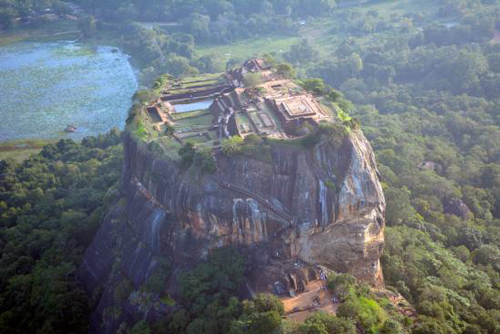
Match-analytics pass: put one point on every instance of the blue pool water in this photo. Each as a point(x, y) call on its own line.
point(193, 106)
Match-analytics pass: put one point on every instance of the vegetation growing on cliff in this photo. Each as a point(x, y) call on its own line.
point(427, 96)
point(437, 142)
point(201, 159)
point(232, 145)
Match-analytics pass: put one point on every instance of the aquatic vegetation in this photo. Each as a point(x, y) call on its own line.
point(46, 86)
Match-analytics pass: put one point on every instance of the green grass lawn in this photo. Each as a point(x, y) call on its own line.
point(201, 83)
point(243, 119)
point(178, 116)
point(196, 140)
point(320, 31)
point(317, 31)
point(207, 77)
point(212, 135)
point(19, 155)
point(21, 150)
point(49, 32)
point(193, 123)
point(255, 118)
point(249, 48)
point(171, 147)
point(265, 109)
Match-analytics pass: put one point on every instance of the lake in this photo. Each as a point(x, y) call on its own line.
point(44, 87)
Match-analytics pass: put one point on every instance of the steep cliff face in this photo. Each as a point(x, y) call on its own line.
point(318, 207)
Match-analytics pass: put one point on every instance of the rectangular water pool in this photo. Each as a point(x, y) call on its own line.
point(187, 107)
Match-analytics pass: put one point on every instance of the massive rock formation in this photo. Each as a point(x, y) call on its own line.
point(322, 206)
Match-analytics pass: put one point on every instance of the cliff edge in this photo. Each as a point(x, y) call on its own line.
point(294, 206)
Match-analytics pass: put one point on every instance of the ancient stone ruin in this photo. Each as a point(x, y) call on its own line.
point(295, 212)
point(275, 107)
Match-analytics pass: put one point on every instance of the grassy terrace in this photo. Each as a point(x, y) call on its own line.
point(203, 79)
point(52, 31)
point(199, 83)
point(194, 123)
point(195, 126)
point(191, 114)
point(194, 83)
point(249, 48)
point(243, 119)
point(192, 126)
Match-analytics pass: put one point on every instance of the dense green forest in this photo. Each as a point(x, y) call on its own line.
point(209, 305)
point(216, 10)
point(428, 100)
point(50, 208)
point(13, 11)
point(425, 86)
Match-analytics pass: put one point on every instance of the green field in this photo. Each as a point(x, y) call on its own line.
point(320, 32)
point(194, 123)
point(21, 150)
point(249, 48)
point(178, 116)
point(170, 147)
point(52, 31)
point(196, 140)
point(205, 79)
point(18, 155)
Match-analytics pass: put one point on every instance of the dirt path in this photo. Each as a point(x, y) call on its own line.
point(300, 307)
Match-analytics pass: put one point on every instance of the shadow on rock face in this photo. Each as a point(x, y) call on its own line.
point(307, 209)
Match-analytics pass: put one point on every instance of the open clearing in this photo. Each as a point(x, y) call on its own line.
point(51, 31)
point(314, 289)
point(21, 150)
point(249, 48)
point(325, 34)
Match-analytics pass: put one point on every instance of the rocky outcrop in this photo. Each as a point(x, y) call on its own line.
point(306, 208)
point(455, 206)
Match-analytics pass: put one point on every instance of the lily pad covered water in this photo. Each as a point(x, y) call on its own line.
point(44, 87)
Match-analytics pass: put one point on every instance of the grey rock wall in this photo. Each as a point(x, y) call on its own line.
point(318, 207)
